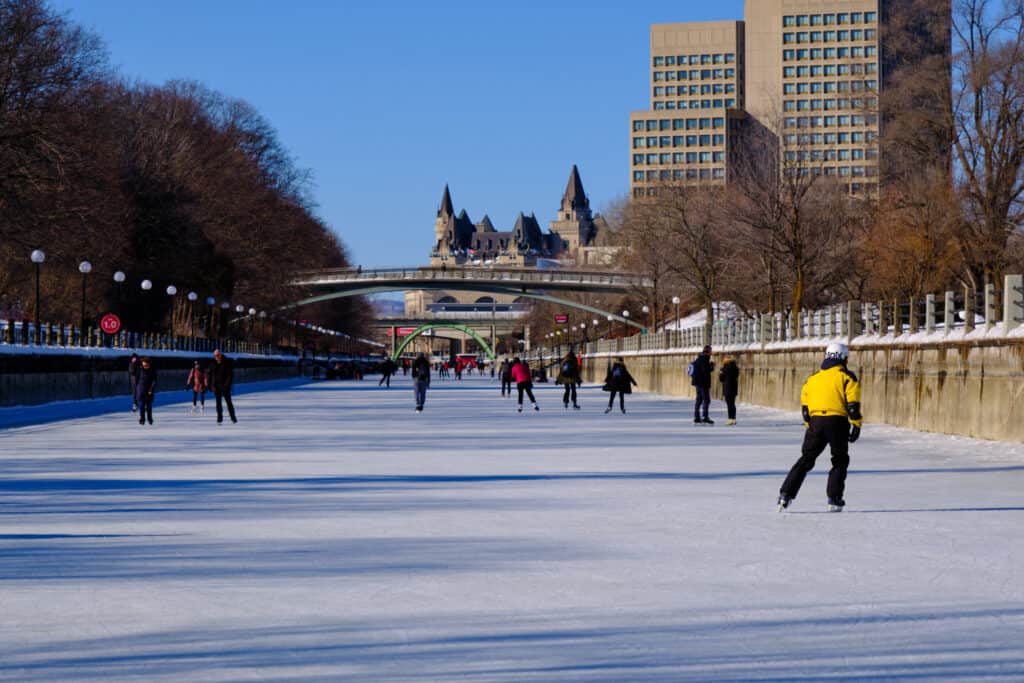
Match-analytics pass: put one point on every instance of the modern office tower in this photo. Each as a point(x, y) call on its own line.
point(696, 77)
point(808, 73)
point(813, 74)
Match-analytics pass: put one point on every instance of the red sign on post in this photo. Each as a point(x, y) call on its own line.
point(402, 331)
point(561, 318)
point(110, 324)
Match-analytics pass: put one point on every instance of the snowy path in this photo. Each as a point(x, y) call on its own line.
point(333, 535)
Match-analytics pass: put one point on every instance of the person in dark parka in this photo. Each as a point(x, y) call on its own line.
point(700, 378)
point(222, 378)
point(569, 375)
point(420, 380)
point(145, 390)
point(618, 381)
point(729, 376)
point(133, 378)
point(505, 372)
point(387, 369)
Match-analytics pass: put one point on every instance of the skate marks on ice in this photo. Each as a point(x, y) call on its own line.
point(808, 644)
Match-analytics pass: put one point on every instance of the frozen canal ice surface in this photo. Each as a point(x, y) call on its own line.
point(334, 535)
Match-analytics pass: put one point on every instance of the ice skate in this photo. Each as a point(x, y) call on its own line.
point(536, 407)
point(836, 504)
point(575, 406)
point(784, 503)
point(708, 421)
point(607, 410)
point(520, 409)
point(731, 423)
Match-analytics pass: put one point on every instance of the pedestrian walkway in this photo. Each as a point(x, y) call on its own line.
point(333, 534)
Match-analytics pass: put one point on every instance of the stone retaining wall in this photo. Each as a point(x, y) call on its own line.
point(34, 380)
point(971, 389)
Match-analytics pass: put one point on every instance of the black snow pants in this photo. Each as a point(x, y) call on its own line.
point(832, 431)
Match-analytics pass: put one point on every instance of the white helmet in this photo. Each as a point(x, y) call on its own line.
point(836, 351)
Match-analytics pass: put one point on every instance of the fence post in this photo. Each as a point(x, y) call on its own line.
point(912, 318)
point(929, 314)
point(883, 319)
point(1013, 302)
point(897, 319)
point(969, 305)
point(990, 305)
point(852, 324)
point(948, 312)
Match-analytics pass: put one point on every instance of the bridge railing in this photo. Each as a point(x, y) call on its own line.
point(993, 311)
point(22, 335)
point(484, 274)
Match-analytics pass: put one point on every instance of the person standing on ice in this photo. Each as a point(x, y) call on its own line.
point(387, 369)
point(700, 377)
point(133, 378)
point(145, 390)
point(222, 378)
point(420, 380)
point(505, 373)
point(198, 382)
point(729, 376)
point(524, 382)
point(569, 375)
point(830, 401)
point(618, 381)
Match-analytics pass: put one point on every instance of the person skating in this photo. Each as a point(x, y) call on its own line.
point(729, 376)
point(420, 380)
point(524, 382)
point(569, 375)
point(133, 378)
point(222, 378)
point(506, 378)
point(618, 381)
point(700, 378)
point(387, 369)
point(199, 383)
point(145, 390)
point(830, 402)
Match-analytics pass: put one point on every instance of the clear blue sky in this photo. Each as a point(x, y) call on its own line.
point(387, 101)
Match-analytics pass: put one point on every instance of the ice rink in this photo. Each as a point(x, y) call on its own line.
point(334, 535)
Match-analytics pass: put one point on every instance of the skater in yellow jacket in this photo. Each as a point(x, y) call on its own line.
point(830, 401)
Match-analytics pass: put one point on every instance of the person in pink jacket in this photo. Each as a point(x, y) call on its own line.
point(199, 383)
point(524, 383)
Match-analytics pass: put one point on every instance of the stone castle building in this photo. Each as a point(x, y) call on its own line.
point(461, 243)
point(458, 241)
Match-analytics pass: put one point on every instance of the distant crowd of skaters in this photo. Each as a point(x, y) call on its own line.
point(830, 400)
point(218, 376)
point(830, 404)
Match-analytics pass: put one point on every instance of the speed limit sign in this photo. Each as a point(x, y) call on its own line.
point(110, 324)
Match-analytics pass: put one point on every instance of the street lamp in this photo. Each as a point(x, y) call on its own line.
point(119, 278)
point(609, 326)
point(647, 318)
point(192, 298)
point(84, 268)
point(625, 330)
point(37, 256)
point(675, 302)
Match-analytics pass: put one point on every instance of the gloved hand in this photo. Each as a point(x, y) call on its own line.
point(854, 433)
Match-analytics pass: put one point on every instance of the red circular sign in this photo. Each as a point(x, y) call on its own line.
point(110, 324)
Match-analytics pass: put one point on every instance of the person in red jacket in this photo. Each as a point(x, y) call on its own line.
point(524, 382)
point(198, 383)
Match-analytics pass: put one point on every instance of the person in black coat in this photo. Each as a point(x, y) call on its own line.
point(133, 378)
point(618, 381)
point(387, 369)
point(145, 390)
point(420, 380)
point(222, 377)
point(729, 376)
point(700, 378)
point(569, 375)
point(506, 378)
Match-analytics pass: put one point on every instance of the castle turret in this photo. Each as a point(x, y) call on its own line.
point(575, 222)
